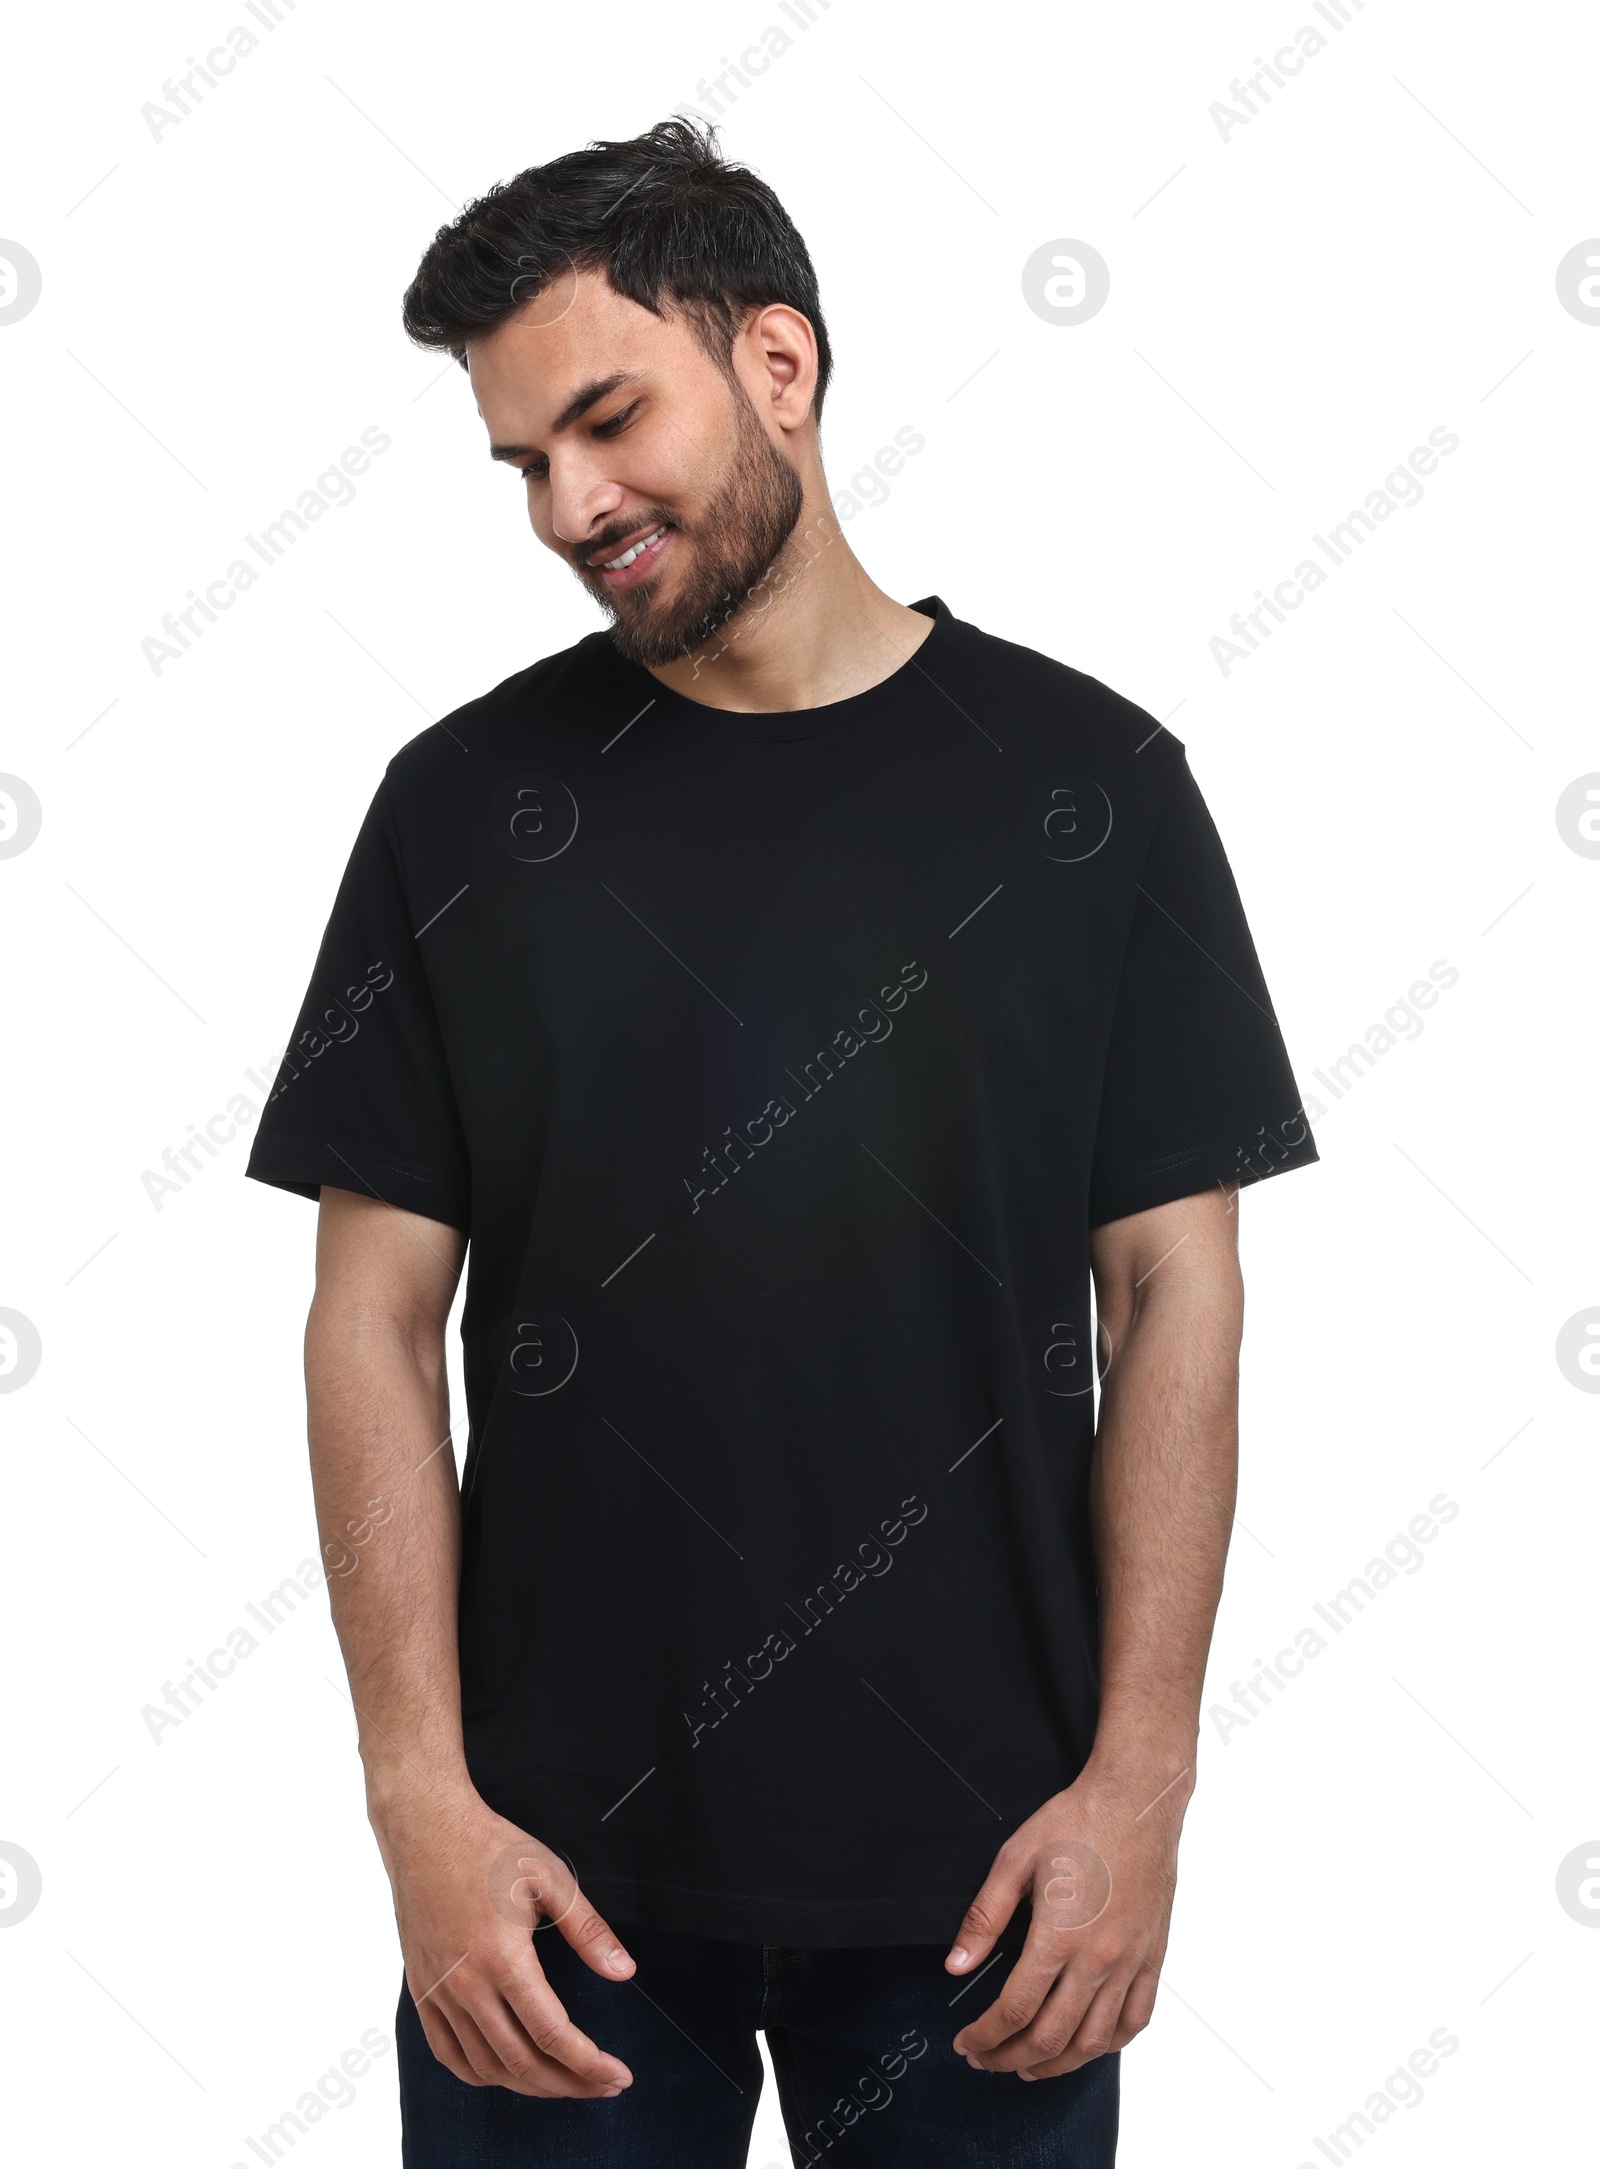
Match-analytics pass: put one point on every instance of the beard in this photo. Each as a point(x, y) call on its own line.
point(732, 545)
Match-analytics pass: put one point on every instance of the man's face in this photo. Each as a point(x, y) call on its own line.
point(647, 469)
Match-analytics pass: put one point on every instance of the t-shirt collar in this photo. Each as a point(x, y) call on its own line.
point(903, 684)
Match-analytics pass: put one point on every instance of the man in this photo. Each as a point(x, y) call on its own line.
point(795, 998)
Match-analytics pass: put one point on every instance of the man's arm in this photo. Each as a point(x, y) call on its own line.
point(1099, 1860)
point(467, 1884)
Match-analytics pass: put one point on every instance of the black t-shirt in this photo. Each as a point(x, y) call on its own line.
point(777, 1067)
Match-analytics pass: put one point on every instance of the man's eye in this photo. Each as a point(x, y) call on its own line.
point(535, 471)
point(615, 422)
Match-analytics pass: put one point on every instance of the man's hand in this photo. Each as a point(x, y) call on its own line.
point(469, 1888)
point(1099, 1865)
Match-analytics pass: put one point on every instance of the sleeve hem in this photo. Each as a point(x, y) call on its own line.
point(1185, 1174)
point(304, 1166)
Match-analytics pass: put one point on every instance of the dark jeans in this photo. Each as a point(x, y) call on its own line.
point(860, 2046)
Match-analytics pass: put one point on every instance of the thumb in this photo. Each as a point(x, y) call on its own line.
point(986, 1919)
point(594, 1940)
point(534, 1887)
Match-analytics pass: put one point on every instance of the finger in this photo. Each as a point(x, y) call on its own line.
point(595, 1942)
point(552, 1891)
point(1138, 2005)
point(1068, 2046)
point(482, 2062)
point(542, 2016)
point(1045, 1952)
point(989, 1914)
point(1049, 2031)
point(524, 2066)
point(446, 2048)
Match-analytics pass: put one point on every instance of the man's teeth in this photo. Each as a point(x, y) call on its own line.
point(616, 564)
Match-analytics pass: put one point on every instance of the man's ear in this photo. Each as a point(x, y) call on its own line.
point(781, 353)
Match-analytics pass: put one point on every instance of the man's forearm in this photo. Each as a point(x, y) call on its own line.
point(1162, 1495)
point(389, 1514)
point(1098, 1860)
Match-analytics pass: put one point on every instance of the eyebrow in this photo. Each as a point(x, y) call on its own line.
point(577, 406)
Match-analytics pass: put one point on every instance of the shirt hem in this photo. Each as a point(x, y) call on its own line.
point(801, 1923)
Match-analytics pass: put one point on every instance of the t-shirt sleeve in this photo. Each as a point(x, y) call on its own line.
point(1197, 1087)
point(363, 1099)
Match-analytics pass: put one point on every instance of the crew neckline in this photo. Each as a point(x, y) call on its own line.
point(777, 724)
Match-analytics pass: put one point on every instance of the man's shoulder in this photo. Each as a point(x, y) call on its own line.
point(1054, 703)
point(529, 710)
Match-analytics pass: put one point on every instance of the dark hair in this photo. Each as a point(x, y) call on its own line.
point(671, 223)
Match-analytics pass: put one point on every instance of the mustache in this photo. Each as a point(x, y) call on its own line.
point(594, 554)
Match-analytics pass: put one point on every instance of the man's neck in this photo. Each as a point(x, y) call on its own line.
point(818, 629)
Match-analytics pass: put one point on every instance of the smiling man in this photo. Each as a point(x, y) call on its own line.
point(796, 1009)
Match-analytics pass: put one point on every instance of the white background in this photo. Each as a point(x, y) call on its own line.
point(1372, 256)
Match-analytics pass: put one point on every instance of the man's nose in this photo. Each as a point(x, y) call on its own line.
point(580, 504)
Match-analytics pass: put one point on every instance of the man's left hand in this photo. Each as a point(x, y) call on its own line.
point(1099, 1864)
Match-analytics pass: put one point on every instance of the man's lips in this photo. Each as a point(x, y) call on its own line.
point(642, 549)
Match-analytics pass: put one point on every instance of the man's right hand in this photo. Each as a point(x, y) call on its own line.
point(469, 1888)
